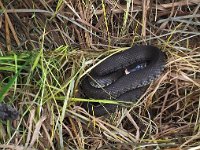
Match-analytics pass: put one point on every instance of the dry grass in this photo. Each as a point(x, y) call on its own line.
point(47, 46)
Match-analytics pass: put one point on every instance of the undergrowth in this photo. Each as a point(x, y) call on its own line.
point(46, 48)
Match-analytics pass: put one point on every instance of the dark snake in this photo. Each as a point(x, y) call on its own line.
point(124, 76)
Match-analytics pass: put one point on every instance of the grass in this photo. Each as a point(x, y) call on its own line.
point(47, 46)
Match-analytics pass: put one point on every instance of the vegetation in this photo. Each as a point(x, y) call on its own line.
point(47, 46)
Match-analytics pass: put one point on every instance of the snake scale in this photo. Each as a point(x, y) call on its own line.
point(124, 76)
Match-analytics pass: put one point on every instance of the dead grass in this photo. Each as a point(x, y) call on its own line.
point(47, 46)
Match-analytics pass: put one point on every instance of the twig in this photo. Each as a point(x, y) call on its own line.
point(7, 34)
point(179, 18)
point(181, 3)
point(145, 8)
point(10, 25)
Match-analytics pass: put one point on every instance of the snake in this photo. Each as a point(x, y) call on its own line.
point(124, 76)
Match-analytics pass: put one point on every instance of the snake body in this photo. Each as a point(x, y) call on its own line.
point(124, 76)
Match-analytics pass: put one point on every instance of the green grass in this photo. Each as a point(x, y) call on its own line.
point(61, 41)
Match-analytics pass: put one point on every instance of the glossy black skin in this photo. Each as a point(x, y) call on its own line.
point(116, 84)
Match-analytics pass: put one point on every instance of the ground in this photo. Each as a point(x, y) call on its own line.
point(47, 46)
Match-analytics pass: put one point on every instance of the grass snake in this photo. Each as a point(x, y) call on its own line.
point(124, 76)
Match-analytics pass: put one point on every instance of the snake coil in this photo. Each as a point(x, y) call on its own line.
point(124, 76)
